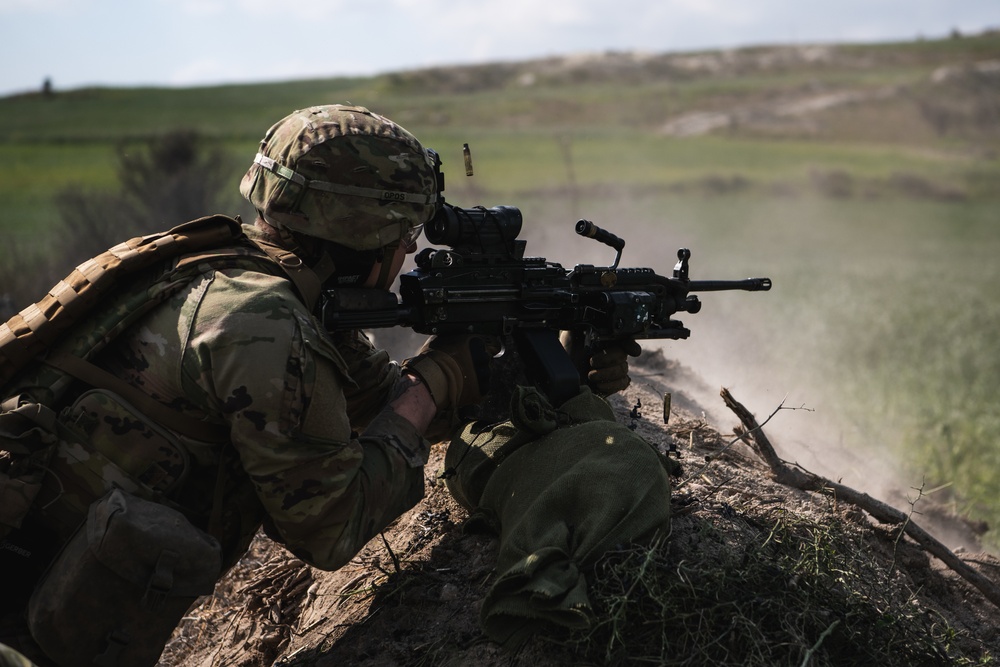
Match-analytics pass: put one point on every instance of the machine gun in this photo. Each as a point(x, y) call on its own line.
point(482, 283)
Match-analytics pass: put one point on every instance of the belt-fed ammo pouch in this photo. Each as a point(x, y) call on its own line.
point(122, 584)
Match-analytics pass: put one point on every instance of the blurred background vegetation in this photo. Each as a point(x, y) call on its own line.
point(863, 179)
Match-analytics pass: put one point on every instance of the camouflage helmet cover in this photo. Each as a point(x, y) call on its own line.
point(344, 174)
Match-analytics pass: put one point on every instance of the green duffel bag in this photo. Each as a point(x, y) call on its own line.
point(561, 486)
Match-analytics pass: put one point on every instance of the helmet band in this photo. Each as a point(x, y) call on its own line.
point(372, 193)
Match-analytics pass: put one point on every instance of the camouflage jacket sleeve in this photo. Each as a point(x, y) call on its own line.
point(374, 376)
point(253, 354)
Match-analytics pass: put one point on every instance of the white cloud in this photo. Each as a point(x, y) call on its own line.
point(197, 8)
point(259, 10)
point(723, 12)
point(38, 6)
point(475, 31)
point(204, 70)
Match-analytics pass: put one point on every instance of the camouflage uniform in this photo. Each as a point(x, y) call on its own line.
point(238, 347)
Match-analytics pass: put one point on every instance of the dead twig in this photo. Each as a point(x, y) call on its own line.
point(797, 477)
point(740, 437)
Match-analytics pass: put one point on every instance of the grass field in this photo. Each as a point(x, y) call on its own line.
point(877, 218)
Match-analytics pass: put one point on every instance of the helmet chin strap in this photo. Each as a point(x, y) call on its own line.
point(385, 277)
point(304, 279)
point(324, 267)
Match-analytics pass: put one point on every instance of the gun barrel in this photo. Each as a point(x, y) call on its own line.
point(748, 285)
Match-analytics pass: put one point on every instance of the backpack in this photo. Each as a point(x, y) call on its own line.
point(136, 563)
point(131, 274)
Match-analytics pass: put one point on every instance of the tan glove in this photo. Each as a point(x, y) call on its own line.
point(607, 367)
point(455, 368)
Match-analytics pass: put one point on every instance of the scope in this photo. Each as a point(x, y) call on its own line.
point(479, 228)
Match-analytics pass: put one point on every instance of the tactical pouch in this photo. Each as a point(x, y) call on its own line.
point(122, 584)
point(145, 452)
point(26, 445)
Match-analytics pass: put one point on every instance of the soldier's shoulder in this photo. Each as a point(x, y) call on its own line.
point(236, 291)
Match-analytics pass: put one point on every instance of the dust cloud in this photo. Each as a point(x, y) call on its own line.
point(794, 347)
point(789, 347)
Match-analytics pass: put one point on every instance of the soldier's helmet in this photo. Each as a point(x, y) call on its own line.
point(344, 174)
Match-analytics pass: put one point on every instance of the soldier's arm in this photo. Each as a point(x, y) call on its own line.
point(327, 490)
point(373, 372)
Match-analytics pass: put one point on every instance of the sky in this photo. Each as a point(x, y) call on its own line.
point(125, 43)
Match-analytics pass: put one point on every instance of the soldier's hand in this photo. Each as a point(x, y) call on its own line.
point(607, 371)
point(455, 368)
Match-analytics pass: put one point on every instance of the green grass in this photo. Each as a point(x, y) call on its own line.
point(111, 114)
point(509, 164)
point(882, 320)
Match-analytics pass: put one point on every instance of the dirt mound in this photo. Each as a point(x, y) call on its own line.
point(753, 573)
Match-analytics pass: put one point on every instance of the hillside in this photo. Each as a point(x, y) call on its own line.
point(946, 82)
point(753, 573)
point(894, 119)
point(864, 179)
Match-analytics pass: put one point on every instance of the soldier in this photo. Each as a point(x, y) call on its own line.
point(317, 437)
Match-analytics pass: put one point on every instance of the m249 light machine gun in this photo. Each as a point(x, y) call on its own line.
point(482, 283)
